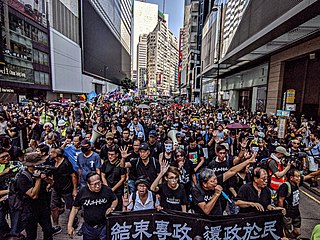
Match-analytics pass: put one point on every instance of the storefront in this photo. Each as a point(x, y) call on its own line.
point(247, 89)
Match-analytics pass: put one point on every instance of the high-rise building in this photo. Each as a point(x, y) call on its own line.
point(25, 50)
point(145, 19)
point(90, 45)
point(142, 60)
point(190, 51)
point(163, 57)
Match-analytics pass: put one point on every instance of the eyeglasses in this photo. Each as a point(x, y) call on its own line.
point(5, 156)
point(179, 155)
point(109, 139)
point(173, 178)
point(295, 143)
point(96, 184)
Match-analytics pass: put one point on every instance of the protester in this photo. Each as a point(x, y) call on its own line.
point(97, 201)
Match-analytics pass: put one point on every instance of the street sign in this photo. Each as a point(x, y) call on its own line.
point(291, 107)
point(283, 113)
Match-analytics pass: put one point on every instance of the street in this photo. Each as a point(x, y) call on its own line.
point(309, 212)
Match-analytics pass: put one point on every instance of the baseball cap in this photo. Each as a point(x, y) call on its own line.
point(109, 135)
point(143, 180)
point(144, 146)
point(152, 133)
point(282, 150)
point(85, 142)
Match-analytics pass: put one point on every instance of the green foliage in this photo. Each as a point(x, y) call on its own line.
point(127, 84)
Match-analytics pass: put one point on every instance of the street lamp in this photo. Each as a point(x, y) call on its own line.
point(216, 9)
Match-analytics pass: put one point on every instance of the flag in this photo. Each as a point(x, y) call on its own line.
point(91, 95)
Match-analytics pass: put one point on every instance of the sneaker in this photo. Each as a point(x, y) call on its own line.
point(56, 230)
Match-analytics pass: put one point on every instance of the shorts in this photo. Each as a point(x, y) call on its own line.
point(289, 222)
point(56, 199)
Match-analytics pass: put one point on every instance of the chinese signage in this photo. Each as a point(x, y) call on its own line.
point(173, 225)
point(290, 95)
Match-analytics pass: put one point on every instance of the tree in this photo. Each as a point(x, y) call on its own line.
point(127, 84)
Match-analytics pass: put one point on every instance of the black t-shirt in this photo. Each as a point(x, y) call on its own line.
point(291, 203)
point(113, 174)
point(172, 199)
point(155, 150)
point(195, 154)
point(150, 170)
point(221, 167)
point(249, 194)
point(43, 200)
point(200, 195)
point(236, 181)
point(128, 144)
point(185, 174)
point(132, 171)
point(104, 151)
point(94, 204)
point(62, 177)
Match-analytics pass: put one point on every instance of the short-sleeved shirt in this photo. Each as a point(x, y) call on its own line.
point(150, 170)
point(138, 205)
point(62, 177)
point(291, 203)
point(172, 199)
point(248, 193)
point(94, 204)
point(195, 154)
point(113, 174)
point(200, 195)
point(72, 153)
point(88, 164)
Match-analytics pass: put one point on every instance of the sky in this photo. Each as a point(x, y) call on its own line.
point(175, 9)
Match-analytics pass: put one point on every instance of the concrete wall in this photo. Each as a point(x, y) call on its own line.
point(276, 71)
point(66, 65)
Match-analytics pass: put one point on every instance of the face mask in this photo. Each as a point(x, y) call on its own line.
point(84, 149)
point(168, 147)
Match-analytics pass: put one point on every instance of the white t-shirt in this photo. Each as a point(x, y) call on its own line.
point(149, 204)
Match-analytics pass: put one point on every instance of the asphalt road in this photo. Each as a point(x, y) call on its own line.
point(310, 212)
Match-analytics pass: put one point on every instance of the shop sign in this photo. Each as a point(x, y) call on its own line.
point(291, 107)
point(283, 113)
point(290, 95)
point(282, 122)
point(6, 90)
point(7, 71)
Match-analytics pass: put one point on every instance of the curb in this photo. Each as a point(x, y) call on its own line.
point(314, 191)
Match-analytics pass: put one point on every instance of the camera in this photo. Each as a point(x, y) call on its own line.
point(44, 169)
point(296, 158)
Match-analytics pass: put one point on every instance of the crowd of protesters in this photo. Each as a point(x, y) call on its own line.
point(103, 157)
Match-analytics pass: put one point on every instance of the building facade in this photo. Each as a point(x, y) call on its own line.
point(163, 57)
point(81, 61)
point(142, 60)
point(145, 19)
point(261, 62)
point(25, 72)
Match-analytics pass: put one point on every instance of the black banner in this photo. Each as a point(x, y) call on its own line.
point(182, 226)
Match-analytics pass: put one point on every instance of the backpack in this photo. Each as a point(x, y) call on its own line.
point(16, 199)
point(134, 196)
point(153, 161)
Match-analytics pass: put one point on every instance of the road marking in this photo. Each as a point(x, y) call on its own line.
point(310, 196)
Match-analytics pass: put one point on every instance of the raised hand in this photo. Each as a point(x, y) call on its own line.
point(244, 143)
point(164, 166)
point(124, 152)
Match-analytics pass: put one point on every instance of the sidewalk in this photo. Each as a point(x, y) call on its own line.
point(63, 223)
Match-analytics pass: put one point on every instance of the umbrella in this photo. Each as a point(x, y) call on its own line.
point(237, 126)
point(143, 106)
